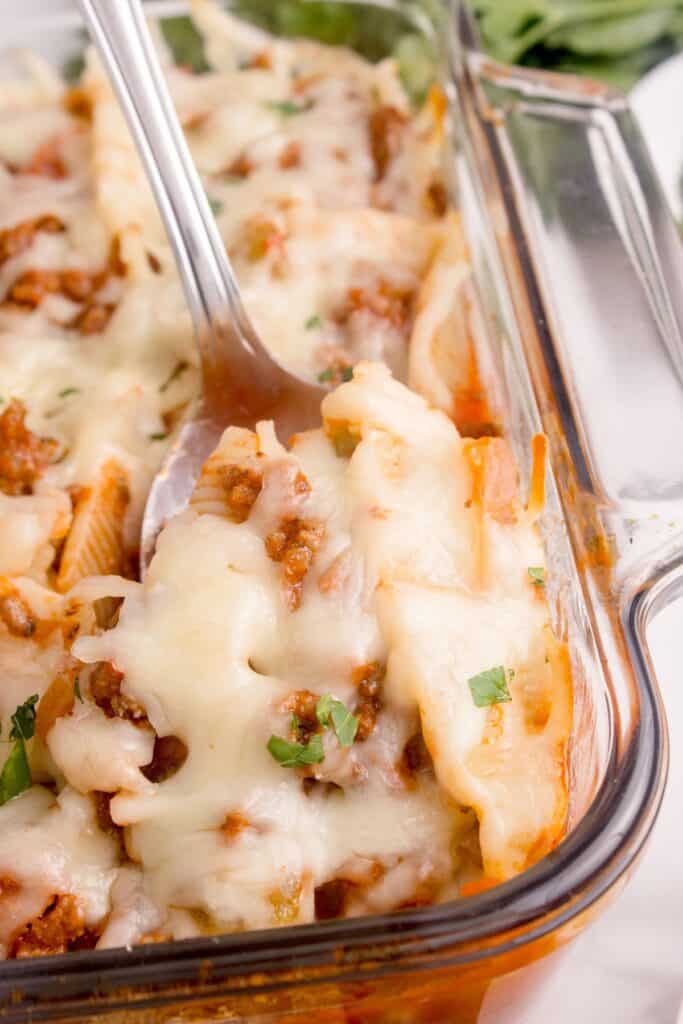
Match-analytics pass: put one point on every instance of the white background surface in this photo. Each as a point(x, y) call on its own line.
point(628, 968)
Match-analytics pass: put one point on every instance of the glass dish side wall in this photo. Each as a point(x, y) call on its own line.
point(474, 960)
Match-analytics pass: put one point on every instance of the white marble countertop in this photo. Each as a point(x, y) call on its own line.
point(628, 967)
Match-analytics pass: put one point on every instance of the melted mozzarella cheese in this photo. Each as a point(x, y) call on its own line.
point(53, 846)
point(211, 648)
point(330, 196)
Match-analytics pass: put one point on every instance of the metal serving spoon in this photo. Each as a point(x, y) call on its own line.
point(241, 382)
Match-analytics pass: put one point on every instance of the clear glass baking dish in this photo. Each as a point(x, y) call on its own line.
point(578, 335)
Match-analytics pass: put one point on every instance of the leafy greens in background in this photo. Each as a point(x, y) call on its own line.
point(373, 32)
point(613, 40)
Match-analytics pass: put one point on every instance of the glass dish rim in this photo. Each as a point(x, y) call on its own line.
point(564, 884)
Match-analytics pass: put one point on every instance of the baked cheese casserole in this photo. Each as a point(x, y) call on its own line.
point(337, 690)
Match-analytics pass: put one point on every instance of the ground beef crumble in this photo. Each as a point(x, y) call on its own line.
point(415, 760)
point(368, 681)
point(105, 686)
point(302, 703)
point(15, 612)
point(59, 929)
point(170, 754)
point(385, 300)
point(294, 543)
point(24, 457)
point(242, 487)
point(330, 899)
point(233, 824)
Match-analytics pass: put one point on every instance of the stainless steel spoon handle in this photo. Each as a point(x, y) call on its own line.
point(120, 33)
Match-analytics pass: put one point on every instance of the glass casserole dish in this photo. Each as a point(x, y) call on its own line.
point(614, 567)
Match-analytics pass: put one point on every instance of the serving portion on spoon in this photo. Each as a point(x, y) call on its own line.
point(241, 382)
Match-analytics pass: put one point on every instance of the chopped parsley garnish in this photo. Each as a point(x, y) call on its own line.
point(158, 437)
point(69, 391)
point(178, 371)
point(77, 690)
point(73, 68)
point(537, 576)
point(217, 206)
point(313, 322)
point(331, 711)
point(416, 59)
point(288, 108)
point(340, 374)
point(24, 720)
point(489, 687)
point(16, 773)
point(185, 43)
point(290, 755)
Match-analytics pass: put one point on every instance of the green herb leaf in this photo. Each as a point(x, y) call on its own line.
point(217, 206)
point(323, 709)
point(331, 374)
point(73, 68)
point(69, 391)
point(177, 372)
point(328, 711)
point(24, 719)
point(290, 755)
point(158, 437)
point(368, 28)
point(288, 108)
point(77, 690)
point(489, 687)
point(313, 322)
point(185, 43)
point(294, 723)
point(345, 724)
point(416, 65)
point(16, 773)
point(537, 576)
